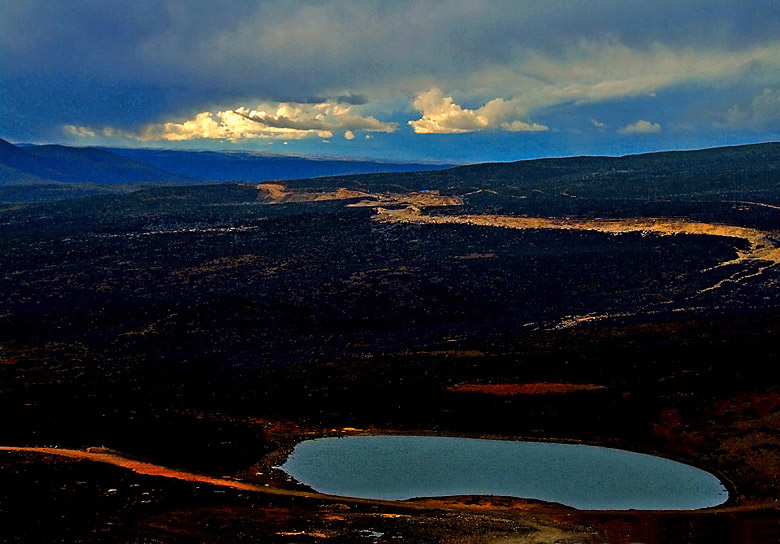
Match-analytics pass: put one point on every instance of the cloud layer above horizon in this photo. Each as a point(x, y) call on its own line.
point(282, 121)
point(429, 79)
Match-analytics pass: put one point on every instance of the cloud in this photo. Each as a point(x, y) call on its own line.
point(593, 72)
point(349, 135)
point(762, 112)
point(641, 127)
point(597, 124)
point(156, 58)
point(734, 117)
point(766, 108)
point(441, 115)
point(522, 126)
point(353, 99)
point(79, 132)
point(586, 73)
point(202, 126)
point(284, 120)
point(86, 132)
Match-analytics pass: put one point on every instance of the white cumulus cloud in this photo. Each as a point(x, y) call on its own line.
point(441, 115)
point(284, 120)
point(80, 132)
point(641, 127)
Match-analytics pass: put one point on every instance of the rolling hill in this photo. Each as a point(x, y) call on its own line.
point(47, 163)
point(663, 175)
point(207, 328)
point(255, 167)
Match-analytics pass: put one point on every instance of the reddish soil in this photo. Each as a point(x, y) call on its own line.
point(510, 389)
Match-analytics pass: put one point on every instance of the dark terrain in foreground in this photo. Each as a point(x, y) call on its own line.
point(209, 327)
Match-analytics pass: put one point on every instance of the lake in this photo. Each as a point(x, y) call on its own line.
point(396, 467)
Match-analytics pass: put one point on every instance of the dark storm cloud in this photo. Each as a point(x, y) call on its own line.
point(287, 50)
point(351, 99)
point(129, 63)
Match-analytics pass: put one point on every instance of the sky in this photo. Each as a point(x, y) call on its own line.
point(443, 81)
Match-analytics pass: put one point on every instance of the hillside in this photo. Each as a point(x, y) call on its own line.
point(244, 166)
point(40, 173)
point(206, 328)
point(16, 165)
point(86, 164)
point(76, 165)
point(748, 169)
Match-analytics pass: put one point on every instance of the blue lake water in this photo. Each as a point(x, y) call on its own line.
point(585, 477)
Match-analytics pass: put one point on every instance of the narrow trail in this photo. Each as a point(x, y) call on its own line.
point(762, 204)
point(100, 455)
point(737, 277)
point(541, 531)
point(139, 467)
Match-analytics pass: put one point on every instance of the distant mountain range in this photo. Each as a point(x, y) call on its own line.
point(735, 171)
point(57, 163)
point(30, 173)
point(255, 167)
point(114, 166)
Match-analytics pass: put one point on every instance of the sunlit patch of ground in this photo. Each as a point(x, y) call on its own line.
point(429, 199)
point(761, 247)
point(276, 193)
point(762, 252)
point(511, 389)
point(338, 194)
point(272, 191)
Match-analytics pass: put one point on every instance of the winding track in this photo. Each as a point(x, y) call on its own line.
point(100, 455)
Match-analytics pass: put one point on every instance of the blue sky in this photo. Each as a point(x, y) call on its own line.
point(457, 80)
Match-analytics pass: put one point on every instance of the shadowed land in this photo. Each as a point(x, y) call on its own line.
point(211, 327)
